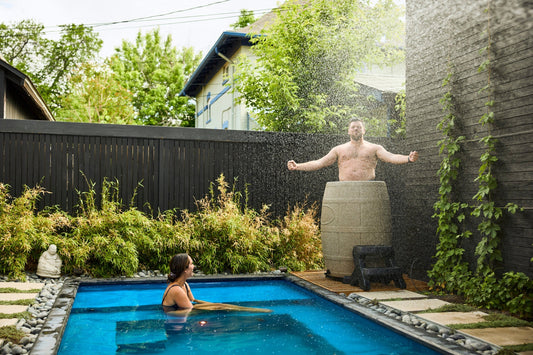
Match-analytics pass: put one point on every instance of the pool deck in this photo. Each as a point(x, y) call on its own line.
point(409, 300)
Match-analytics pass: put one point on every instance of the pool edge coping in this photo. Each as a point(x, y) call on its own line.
point(49, 339)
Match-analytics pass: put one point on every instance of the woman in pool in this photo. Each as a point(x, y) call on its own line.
point(178, 297)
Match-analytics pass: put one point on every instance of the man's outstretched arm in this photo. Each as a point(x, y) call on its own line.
point(326, 160)
point(389, 157)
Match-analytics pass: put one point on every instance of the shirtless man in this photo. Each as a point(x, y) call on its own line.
point(356, 159)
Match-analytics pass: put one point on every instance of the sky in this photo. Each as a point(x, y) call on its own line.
point(192, 23)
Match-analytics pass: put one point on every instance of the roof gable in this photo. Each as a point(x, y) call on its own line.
point(226, 46)
point(24, 88)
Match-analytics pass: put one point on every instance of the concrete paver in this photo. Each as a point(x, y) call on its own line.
point(389, 295)
point(12, 309)
point(8, 322)
point(17, 296)
point(416, 305)
point(503, 336)
point(447, 318)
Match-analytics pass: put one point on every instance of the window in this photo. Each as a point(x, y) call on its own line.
point(225, 74)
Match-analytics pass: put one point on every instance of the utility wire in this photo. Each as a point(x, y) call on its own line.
point(186, 19)
point(169, 23)
point(231, 14)
point(160, 15)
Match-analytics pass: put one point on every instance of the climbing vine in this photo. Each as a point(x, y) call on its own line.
point(449, 267)
point(397, 126)
point(450, 273)
point(488, 249)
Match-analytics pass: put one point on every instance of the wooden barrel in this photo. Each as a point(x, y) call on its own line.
point(353, 213)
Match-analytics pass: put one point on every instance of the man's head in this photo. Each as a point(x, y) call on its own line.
point(356, 129)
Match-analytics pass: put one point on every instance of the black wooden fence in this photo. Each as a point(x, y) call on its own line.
point(170, 167)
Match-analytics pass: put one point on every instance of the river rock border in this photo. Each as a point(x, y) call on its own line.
point(440, 330)
point(53, 304)
point(39, 312)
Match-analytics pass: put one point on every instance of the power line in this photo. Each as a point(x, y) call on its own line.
point(171, 23)
point(160, 15)
point(186, 19)
point(231, 14)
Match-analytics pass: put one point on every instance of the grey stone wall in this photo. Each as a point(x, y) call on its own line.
point(443, 33)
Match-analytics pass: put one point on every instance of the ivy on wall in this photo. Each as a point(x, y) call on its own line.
point(450, 273)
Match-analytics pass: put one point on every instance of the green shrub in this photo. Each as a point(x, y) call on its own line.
point(298, 246)
point(512, 292)
point(21, 230)
point(104, 239)
point(162, 238)
point(229, 237)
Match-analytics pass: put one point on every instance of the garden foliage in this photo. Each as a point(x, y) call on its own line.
point(106, 239)
point(483, 284)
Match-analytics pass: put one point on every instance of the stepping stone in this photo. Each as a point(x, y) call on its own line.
point(454, 317)
point(415, 305)
point(12, 309)
point(23, 286)
point(503, 336)
point(389, 295)
point(17, 296)
point(7, 322)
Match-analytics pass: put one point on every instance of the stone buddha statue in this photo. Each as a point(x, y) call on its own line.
point(49, 263)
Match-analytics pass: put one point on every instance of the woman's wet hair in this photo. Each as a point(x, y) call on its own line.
point(178, 264)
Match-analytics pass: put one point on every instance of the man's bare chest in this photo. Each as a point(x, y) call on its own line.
point(353, 155)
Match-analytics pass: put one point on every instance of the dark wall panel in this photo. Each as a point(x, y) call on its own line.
point(452, 34)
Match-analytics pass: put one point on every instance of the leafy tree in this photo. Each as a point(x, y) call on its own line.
point(48, 62)
point(302, 79)
point(21, 42)
point(96, 96)
point(247, 17)
point(155, 71)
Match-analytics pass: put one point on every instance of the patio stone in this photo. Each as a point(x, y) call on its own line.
point(389, 295)
point(415, 305)
point(12, 309)
point(503, 336)
point(7, 322)
point(17, 296)
point(454, 317)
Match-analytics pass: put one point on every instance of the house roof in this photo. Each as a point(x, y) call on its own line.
point(227, 45)
point(385, 83)
point(24, 85)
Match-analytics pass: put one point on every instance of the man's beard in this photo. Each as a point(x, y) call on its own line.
point(356, 136)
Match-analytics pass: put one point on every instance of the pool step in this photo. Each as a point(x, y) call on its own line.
point(140, 336)
point(157, 335)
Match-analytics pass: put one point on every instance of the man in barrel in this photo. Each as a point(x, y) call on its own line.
point(356, 159)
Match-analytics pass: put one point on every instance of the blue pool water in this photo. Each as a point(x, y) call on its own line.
point(127, 318)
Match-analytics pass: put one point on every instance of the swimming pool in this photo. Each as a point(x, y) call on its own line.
point(127, 318)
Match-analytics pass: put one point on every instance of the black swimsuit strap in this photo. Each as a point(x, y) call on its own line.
point(166, 292)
